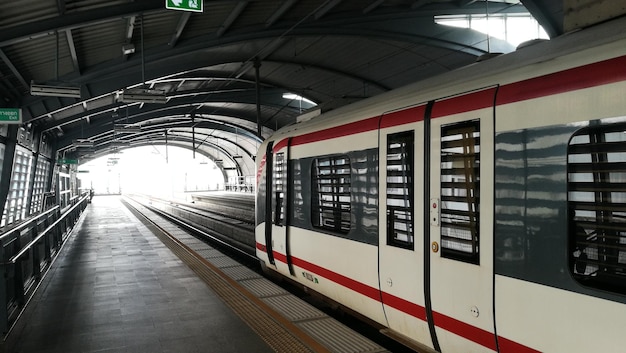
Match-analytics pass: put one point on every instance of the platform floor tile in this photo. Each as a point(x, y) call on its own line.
point(116, 288)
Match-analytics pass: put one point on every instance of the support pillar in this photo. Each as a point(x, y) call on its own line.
point(259, 119)
point(7, 165)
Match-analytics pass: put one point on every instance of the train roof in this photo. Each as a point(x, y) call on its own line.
point(579, 47)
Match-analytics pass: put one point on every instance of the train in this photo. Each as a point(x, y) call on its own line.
point(481, 210)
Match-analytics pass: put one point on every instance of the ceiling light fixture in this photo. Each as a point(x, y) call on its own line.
point(125, 128)
point(142, 95)
point(128, 49)
point(55, 90)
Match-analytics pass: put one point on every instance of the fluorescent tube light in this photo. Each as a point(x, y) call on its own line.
point(295, 97)
point(142, 96)
point(55, 90)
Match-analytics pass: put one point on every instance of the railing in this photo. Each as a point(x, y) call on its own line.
point(240, 183)
point(27, 251)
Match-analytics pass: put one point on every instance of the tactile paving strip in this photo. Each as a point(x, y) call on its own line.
point(344, 339)
point(294, 308)
point(263, 288)
point(240, 273)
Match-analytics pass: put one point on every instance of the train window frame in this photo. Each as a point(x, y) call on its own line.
point(331, 195)
point(279, 181)
point(400, 177)
point(596, 217)
point(460, 191)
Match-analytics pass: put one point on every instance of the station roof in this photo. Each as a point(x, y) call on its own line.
point(209, 64)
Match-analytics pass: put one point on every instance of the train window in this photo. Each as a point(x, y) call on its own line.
point(331, 193)
point(460, 187)
point(400, 190)
point(597, 207)
point(279, 192)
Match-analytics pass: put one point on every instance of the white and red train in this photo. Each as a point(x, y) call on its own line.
point(483, 210)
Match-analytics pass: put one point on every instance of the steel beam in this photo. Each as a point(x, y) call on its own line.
point(280, 12)
point(13, 69)
point(371, 7)
point(182, 22)
point(231, 18)
point(70, 44)
point(326, 8)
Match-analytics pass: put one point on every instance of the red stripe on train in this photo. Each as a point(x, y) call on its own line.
point(464, 103)
point(405, 306)
point(596, 74)
point(347, 282)
point(360, 126)
point(405, 116)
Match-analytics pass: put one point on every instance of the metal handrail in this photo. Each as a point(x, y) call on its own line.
point(28, 223)
point(51, 227)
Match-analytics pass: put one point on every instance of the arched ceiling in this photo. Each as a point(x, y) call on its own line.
point(332, 52)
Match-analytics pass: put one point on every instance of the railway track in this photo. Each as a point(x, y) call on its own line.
point(215, 223)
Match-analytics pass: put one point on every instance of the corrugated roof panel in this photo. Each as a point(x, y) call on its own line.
point(257, 12)
point(352, 5)
point(26, 11)
point(100, 42)
point(36, 59)
point(10, 85)
point(72, 6)
point(158, 29)
point(304, 9)
point(207, 22)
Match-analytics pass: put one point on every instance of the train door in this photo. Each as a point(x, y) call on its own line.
point(460, 199)
point(277, 240)
point(401, 244)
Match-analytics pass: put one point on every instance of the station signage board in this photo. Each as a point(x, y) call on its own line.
point(10, 116)
point(184, 5)
point(67, 161)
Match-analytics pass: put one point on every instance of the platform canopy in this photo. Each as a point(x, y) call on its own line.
point(130, 73)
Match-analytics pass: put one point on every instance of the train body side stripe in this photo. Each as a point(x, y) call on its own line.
point(586, 76)
point(405, 306)
point(508, 346)
point(402, 117)
point(464, 103)
point(360, 126)
point(472, 333)
point(344, 281)
point(460, 328)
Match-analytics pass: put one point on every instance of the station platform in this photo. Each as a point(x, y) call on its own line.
point(119, 286)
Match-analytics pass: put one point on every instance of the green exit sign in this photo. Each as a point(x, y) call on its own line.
point(184, 5)
point(67, 161)
point(10, 116)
